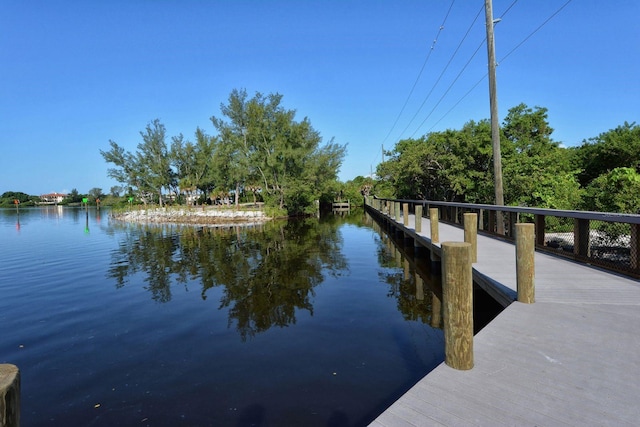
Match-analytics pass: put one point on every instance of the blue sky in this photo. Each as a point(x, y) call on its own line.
point(76, 74)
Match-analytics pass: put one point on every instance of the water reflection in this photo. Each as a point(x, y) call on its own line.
point(268, 271)
point(417, 290)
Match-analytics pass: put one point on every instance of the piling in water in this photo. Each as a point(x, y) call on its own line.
point(9, 396)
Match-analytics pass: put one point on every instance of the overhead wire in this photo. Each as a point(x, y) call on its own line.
point(443, 71)
point(472, 87)
point(535, 31)
point(449, 88)
point(433, 45)
point(502, 59)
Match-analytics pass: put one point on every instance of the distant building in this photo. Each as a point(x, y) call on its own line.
point(52, 197)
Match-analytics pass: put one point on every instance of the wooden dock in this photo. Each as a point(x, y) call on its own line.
point(570, 359)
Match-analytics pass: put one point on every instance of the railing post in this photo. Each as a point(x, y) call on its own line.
point(405, 214)
point(433, 219)
point(481, 219)
point(635, 246)
point(540, 229)
point(581, 238)
point(397, 211)
point(492, 222)
point(9, 396)
point(457, 291)
point(418, 219)
point(525, 262)
point(513, 220)
point(471, 234)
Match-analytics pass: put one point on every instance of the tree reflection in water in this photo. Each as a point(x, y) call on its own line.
point(268, 271)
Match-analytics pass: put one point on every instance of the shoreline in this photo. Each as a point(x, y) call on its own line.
point(192, 216)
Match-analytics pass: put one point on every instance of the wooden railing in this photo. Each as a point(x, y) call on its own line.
point(608, 240)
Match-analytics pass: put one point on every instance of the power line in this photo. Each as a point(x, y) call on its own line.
point(443, 71)
point(508, 9)
point(449, 88)
point(458, 76)
point(535, 31)
point(501, 60)
point(459, 101)
point(433, 45)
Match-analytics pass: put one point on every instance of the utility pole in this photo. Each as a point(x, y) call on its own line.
point(495, 126)
point(382, 153)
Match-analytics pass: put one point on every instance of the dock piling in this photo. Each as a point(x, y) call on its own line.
point(457, 295)
point(525, 266)
point(405, 214)
point(418, 219)
point(9, 396)
point(471, 234)
point(433, 217)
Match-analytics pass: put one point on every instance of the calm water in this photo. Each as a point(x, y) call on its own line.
point(298, 323)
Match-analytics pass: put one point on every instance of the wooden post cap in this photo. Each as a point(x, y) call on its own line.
point(9, 395)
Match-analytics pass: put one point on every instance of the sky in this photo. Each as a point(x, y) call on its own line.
point(76, 74)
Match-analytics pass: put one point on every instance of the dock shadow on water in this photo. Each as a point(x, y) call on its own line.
point(314, 322)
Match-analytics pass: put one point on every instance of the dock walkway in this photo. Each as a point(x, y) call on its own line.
point(570, 359)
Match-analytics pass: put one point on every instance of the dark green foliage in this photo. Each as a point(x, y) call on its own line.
point(616, 148)
point(457, 165)
point(537, 171)
point(260, 149)
point(8, 199)
point(261, 144)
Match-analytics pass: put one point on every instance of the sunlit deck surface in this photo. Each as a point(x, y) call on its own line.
point(571, 358)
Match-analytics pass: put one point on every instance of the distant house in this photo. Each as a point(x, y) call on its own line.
point(52, 197)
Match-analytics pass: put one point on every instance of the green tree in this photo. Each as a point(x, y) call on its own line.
point(616, 148)
point(95, 193)
point(457, 164)
point(537, 171)
point(260, 141)
point(153, 161)
point(73, 197)
point(148, 170)
point(449, 165)
point(115, 190)
point(8, 199)
point(615, 191)
point(354, 190)
point(192, 162)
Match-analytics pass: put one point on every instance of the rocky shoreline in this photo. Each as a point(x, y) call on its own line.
point(192, 216)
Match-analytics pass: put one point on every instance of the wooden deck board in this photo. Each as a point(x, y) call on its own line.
point(571, 358)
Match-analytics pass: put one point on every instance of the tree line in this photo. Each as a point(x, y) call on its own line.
point(260, 152)
point(8, 198)
point(457, 165)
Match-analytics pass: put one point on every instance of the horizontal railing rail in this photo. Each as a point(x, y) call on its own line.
point(605, 239)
